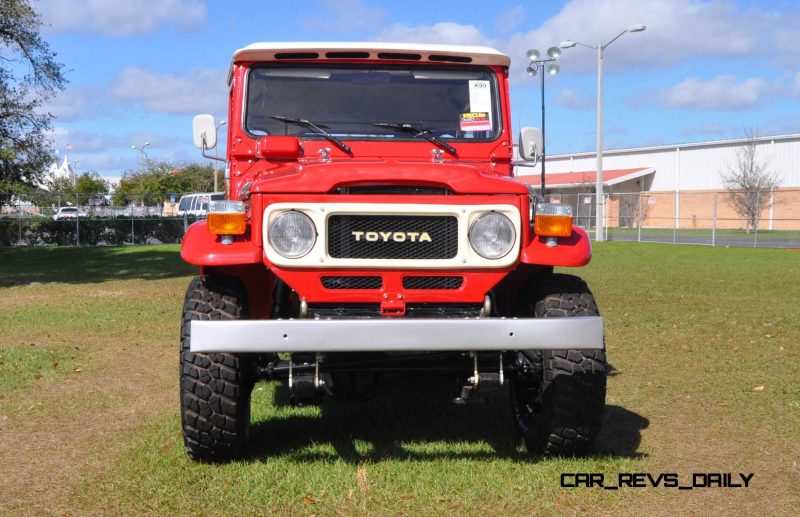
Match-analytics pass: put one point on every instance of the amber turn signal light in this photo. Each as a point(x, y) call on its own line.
point(553, 225)
point(553, 220)
point(226, 218)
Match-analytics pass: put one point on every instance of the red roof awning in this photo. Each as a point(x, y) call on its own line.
point(576, 179)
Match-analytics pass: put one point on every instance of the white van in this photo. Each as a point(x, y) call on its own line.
point(197, 204)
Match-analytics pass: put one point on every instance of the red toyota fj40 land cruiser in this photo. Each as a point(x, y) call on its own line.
point(372, 224)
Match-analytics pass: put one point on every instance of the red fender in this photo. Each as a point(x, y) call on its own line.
point(572, 251)
point(202, 248)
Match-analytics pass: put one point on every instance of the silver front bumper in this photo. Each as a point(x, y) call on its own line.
point(396, 335)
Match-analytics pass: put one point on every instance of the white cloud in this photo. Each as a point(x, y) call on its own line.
point(87, 142)
point(571, 99)
point(198, 91)
point(112, 154)
point(786, 123)
point(706, 130)
point(449, 33)
point(723, 92)
point(119, 17)
point(343, 16)
point(83, 142)
point(74, 103)
point(676, 30)
point(509, 20)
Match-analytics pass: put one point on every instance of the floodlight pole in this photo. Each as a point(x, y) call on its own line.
point(543, 135)
point(538, 65)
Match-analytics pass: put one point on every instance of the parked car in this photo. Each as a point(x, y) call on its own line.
point(197, 204)
point(68, 212)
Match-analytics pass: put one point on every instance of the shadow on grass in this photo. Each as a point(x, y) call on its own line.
point(413, 418)
point(90, 264)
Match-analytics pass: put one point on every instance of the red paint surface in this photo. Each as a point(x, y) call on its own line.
point(202, 248)
point(285, 170)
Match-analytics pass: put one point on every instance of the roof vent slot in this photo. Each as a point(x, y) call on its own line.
point(296, 55)
point(347, 55)
point(399, 56)
point(452, 59)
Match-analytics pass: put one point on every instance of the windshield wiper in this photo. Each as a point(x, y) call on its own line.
point(421, 132)
point(317, 129)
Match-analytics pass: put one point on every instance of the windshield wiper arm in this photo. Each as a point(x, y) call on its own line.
point(316, 128)
point(421, 132)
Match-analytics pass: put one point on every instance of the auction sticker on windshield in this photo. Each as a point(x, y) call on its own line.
point(475, 122)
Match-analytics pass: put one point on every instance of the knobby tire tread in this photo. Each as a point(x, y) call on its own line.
point(571, 399)
point(215, 388)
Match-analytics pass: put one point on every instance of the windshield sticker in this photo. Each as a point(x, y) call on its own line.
point(480, 96)
point(475, 122)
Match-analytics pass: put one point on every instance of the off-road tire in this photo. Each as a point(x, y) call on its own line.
point(215, 388)
point(559, 403)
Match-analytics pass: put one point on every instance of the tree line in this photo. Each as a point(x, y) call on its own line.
point(30, 76)
point(152, 186)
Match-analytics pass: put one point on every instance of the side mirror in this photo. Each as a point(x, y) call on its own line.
point(531, 142)
point(204, 131)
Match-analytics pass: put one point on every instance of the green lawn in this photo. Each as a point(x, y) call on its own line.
point(704, 342)
point(83, 265)
point(783, 235)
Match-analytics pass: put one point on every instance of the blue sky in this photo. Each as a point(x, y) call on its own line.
point(703, 70)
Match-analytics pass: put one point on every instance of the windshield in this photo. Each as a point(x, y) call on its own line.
point(348, 100)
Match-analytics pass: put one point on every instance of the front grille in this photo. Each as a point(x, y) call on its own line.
point(352, 282)
point(432, 282)
point(330, 311)
point(393, 237)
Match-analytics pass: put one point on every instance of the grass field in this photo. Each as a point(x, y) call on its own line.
point(705, 343)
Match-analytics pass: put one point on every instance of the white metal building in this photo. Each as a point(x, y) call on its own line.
point(675, 168)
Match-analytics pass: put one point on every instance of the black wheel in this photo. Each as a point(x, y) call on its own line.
point(215, 388)
point(558, 397)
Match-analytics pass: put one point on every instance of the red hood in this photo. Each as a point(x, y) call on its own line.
point(321, 178)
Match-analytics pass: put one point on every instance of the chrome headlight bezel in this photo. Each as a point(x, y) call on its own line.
point(276, 233)
point(480, 228)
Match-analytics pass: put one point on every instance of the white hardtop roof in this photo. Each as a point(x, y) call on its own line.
point(266, 51)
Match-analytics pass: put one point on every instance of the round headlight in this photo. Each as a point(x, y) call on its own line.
point(492, 235)
point(292, 234)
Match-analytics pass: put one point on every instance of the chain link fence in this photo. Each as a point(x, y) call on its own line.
point(76, 221)
point(706, 218)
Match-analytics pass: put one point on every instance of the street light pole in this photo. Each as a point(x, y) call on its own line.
point(140, 148)
point(222, 123)
point(75, 173)
point(599, 201)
